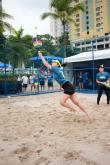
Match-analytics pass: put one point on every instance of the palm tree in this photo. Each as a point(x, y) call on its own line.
point(4, 25)
point(3, 16)
point(64, 12)
point(18, 34)
point(20, 47)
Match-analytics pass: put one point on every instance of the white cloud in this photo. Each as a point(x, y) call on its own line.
point(27, 13)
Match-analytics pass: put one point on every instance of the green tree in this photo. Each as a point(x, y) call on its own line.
point(64, 12)
point(47, 44)
point(4, 25)
point(20, 47)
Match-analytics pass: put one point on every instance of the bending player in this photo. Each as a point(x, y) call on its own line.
point(69, 90)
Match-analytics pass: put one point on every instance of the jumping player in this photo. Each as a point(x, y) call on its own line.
point(69, 90)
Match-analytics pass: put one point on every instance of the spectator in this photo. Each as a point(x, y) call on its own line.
point(19, 84)
point(36, 83)
point(42, 81)
point(50, 82)
point(90, 84)
point(80, 80)
point(86, 80)
point(25, 83)
point(32, 82)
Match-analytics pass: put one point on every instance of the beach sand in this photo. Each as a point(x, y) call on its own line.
point(36, 130)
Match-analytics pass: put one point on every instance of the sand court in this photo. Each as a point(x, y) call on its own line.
point(36, 130)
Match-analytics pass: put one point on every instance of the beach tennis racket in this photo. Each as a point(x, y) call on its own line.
point(107, 83)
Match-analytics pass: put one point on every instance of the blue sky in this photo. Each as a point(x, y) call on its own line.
point(27, 13)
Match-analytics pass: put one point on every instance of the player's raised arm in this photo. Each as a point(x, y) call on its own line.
point(43, 60)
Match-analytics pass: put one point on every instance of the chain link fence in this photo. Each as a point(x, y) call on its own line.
point(37, 81)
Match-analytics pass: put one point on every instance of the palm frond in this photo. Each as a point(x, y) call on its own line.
point(7, 26)
point(4, 15)
point(63, 16)
point(49, 14)
point(72, 20)
point(18, 33)
point(64, 11)
point(3, 24)
point(76, 8)
point(14, 31)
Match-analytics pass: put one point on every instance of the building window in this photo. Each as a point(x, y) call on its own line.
point(88, 42)
point(77, 44)
point(100, 47)
point(98, 30)
point(86, 2)
point(83, 43)
point(100, 40)
point(106, 46)
point(86, 7)
point(77, 25)
point(78, 34)
point(98, 24)
point(98, 9)
point(106, 39)
point(88, 48)
point(87, 17)
point(94, 47)
point(97, 14)
point(87, 32)
point(78, 30)
point(77, 15)
point(97, 19)
point(77, 20)
point(94, 41)
point(106, 34)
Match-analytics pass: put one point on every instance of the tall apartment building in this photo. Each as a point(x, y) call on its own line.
point(93, 25)
point(56, 28)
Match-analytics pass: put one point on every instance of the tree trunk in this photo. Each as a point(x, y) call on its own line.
point(64, 39)
point(1, 24)
point(0, 3)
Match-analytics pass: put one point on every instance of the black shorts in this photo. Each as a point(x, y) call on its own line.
point(24, 85)
point(42, 83)
point(69, 89)
point(50, 84)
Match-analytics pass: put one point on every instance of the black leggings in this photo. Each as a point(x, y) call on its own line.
point(100, 91)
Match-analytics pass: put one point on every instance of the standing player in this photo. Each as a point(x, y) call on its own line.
point(101, 78)
point(69, 90)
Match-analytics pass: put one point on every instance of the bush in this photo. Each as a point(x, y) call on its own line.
point(8, 82)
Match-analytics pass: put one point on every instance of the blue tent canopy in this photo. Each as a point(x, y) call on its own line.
point(2, 65)
point(48, 58)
